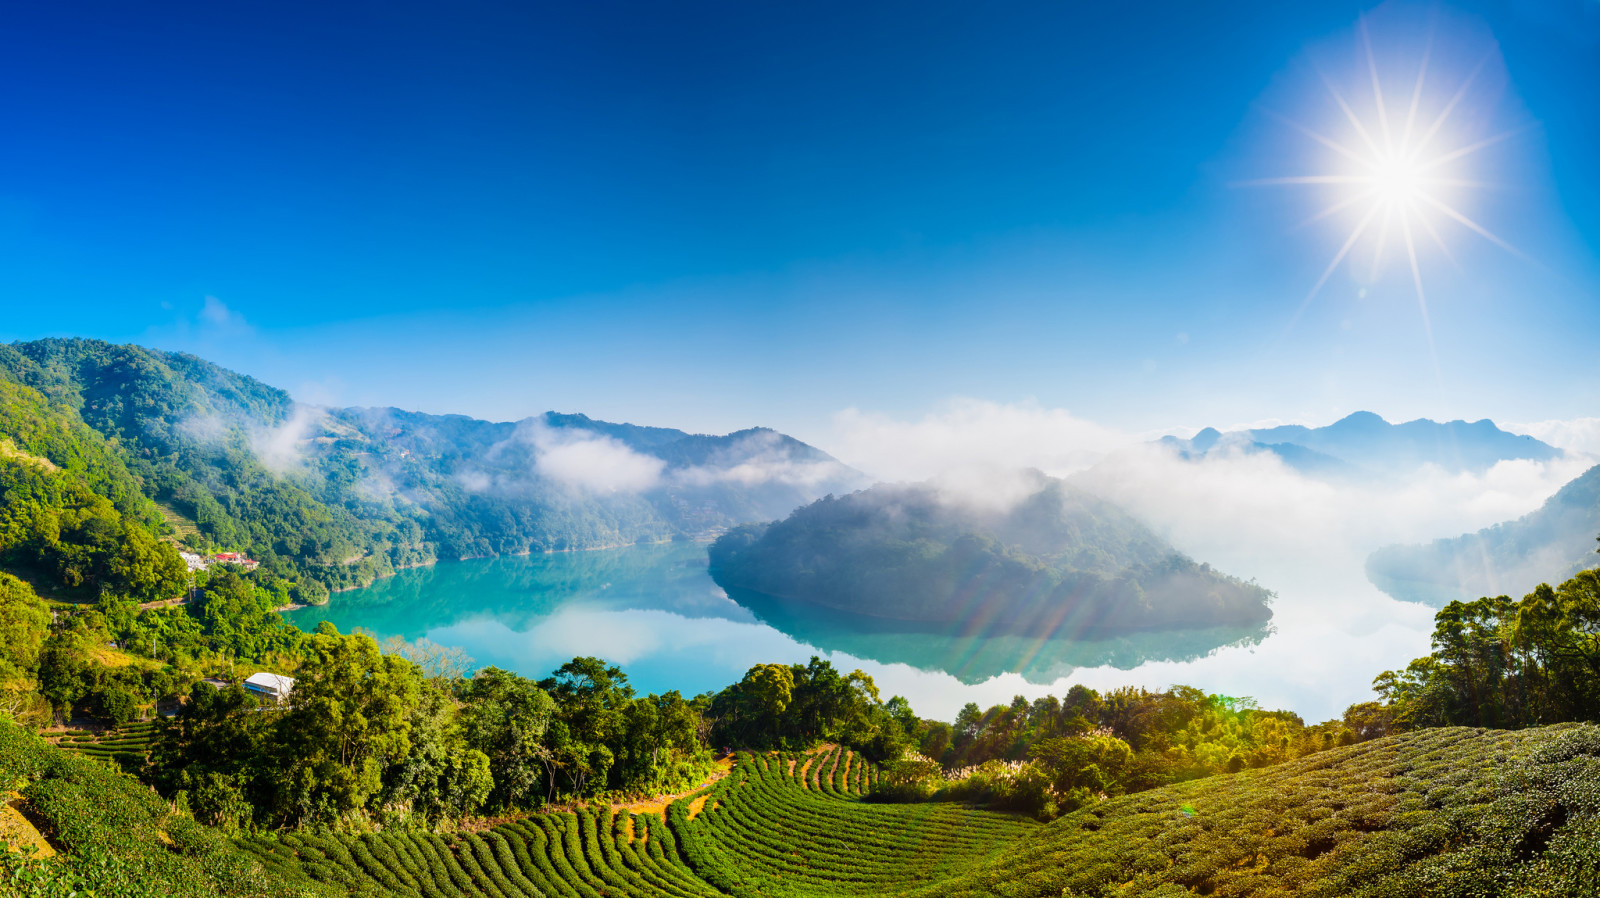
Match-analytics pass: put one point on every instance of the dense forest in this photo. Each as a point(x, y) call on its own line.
point(1058, 561)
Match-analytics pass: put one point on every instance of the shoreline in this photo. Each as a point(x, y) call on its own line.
point(527, 553)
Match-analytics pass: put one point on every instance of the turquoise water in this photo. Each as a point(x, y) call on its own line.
point(655, 611)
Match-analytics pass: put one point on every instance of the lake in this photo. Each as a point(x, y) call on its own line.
point(655, 611)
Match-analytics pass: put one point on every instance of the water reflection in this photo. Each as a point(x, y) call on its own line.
point(656, 610)
point(974, 658)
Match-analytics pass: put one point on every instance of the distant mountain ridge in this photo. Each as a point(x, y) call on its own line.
point(341, 495)
point(1061, 561)
point(1364, 444)
point(1547, 545)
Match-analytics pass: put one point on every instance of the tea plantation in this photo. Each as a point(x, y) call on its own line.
point(1439, 812)
point(127, 746)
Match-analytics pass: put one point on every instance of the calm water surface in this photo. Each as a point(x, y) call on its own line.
point(656, 611)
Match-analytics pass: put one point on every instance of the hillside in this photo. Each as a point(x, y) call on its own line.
point(1547, 545)
point(1364, 445)
point(1439, 812)
point(115, 836)
point(1059, 561)
point(336, 497)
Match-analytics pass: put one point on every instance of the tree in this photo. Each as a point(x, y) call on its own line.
point(1082, 768)
point(350, 718)
point(505, 717)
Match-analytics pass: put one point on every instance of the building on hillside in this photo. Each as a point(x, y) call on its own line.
point(216, 682)
point(193, 562)
point(274, 686)
point(238, 558)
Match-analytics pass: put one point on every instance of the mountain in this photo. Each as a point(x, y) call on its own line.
point(1547, 545)
point(1060, 561)
point(335, 497)
point(1365, 445)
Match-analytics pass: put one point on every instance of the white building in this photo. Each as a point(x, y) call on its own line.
point(271, 685)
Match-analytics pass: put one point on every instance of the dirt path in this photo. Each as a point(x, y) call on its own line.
point(658, 804)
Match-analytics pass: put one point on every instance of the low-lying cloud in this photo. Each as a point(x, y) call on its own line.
point(758, 459)
point(1246, 511)
point(971, 434)
point(590, 462)
point(1572, 434)
point(283, 448)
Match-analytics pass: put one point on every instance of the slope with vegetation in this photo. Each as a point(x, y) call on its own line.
point(1554, 541)
point(330, 498)
point(1059, 561)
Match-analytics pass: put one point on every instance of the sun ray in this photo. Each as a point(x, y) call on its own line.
point(1453, 155)
point(1449, 107)
point(1307, 179)
point(1383, 238)
point(1331, 144)
point(1416, 93)
point(1422, 298)
point(1336, 208)
point(1350, 114)
point(1434, 233)
point(1483, 232)
point(1339, 257)
point(1377, 90)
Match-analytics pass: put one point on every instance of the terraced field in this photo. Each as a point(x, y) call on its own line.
point(1441, 812)
point(127, 746)
point(779, 825)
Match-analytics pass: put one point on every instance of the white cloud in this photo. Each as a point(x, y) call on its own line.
point(758, 459)
point(1250, 513)
point(1573, 434)
point(583, 460)
point(971, 434)
point(214, 313)
point(283, 448)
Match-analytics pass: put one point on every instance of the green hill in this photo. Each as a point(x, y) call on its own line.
point(1059, 561)
point(1440, 812)
point(115, 836)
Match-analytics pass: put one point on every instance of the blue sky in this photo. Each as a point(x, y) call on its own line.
point(713, 215)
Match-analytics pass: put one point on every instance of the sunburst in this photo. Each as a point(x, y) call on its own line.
point(1398, 170)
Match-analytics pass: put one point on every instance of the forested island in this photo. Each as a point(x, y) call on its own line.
point(1058, 560)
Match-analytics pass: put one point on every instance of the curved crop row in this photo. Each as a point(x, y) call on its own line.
point(777, 825)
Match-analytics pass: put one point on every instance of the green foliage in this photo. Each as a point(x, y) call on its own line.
point(795, 706)
point(1503, 663)
point(117, 837)
point(908, 553)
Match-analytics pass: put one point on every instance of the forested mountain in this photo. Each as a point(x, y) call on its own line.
point(1059, 561)
point(333, 497)
point(1546, 545)
point(1365, 445)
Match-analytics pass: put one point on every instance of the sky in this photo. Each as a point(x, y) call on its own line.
point(824, 218)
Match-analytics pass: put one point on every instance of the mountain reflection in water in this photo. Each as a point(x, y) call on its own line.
point(656, 610)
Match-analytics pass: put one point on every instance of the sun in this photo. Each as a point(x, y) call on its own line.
point(1395, 170)
point(1397, 181)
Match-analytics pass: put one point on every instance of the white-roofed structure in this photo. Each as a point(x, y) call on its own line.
point(271, 685)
